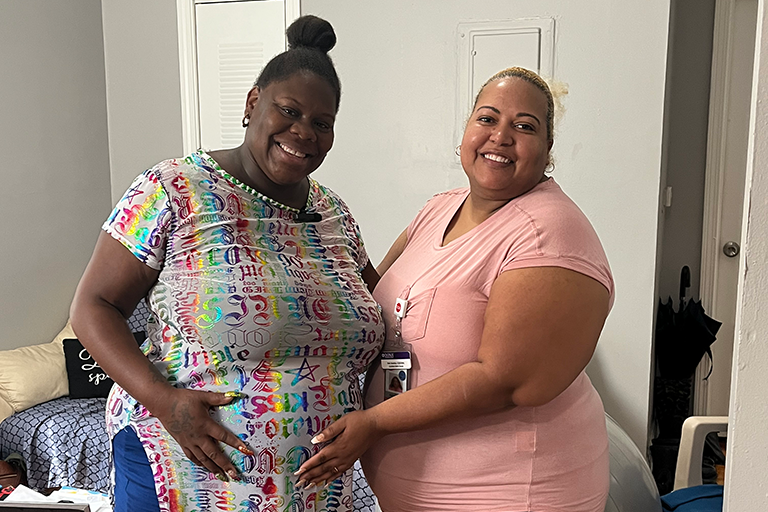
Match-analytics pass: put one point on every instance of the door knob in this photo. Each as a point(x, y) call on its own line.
point(731, 249)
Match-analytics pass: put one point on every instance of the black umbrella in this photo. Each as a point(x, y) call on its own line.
point(683, 336)
point(682, 339)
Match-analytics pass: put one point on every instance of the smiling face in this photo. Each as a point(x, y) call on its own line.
point(505, 146)
point(290, 130)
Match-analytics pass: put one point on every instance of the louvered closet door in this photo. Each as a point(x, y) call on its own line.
point(234, 42)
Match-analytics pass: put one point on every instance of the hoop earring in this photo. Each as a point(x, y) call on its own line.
point(458, 150)
point(246, 120)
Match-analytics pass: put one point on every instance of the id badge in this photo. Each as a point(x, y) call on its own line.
point(396, 356)
point(396, 363)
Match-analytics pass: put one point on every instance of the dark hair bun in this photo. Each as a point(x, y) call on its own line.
point(311, 32)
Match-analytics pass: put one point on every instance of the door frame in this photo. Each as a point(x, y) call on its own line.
point(190, 111)
point(714, 177)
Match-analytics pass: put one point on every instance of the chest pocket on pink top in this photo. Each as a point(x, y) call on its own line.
point(417, 315)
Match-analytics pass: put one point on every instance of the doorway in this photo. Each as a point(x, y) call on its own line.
point(730, 96)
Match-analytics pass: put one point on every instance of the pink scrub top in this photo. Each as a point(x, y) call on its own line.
point(548, 458)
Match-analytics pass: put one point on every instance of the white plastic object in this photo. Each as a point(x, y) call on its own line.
point(689, 457)
point(632, 487)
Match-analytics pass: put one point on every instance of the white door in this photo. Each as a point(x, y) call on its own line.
point(223, 45)
point(234, 42)
point(727, 161)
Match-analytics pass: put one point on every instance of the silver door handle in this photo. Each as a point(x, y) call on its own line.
point(731, 249)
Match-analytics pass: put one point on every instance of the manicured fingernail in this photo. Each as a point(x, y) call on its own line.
point(244, 449)
point(222, 476)
point(317, 439)
point(299, 484)
point(327, 484)
point(310, 484)
point(235, 394)
point(297, 473)
point(232, 474)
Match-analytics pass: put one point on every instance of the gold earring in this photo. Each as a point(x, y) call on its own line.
point(458, 150)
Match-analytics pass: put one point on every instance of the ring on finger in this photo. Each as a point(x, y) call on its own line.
point(335, 469)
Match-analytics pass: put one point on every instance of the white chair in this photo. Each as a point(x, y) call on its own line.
point(689, 458)
point(689, 495)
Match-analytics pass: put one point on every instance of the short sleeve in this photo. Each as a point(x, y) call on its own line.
point(141, 220)
point(360, 255)
point(557, 234)
point(598, 271)
point(348, 226)
point(576, 248)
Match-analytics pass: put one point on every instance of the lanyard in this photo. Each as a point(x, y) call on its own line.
point(396, 358)
point(400, 310)
point(401, 306)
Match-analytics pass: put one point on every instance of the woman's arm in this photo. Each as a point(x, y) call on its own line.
point(113, 283)
point(394, 252)
point(370, 277)
point(540, 330)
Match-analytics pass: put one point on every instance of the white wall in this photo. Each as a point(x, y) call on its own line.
point(685, 152)
point(395, 140)
point(143, 90)
point(53, 138)
point(745, 472)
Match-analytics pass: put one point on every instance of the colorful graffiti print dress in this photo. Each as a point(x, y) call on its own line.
point(249, 300)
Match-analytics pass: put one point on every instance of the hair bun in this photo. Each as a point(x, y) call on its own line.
point(311, 32)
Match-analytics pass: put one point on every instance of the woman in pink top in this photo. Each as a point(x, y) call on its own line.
point(499, 291)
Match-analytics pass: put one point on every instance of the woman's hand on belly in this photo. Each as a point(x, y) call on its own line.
point(345, 441)
point(185, 415)
point(540, 329)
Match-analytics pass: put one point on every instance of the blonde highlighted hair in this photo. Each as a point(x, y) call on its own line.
point(530, 77)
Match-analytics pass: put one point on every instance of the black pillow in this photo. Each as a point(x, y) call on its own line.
point(85, 376)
